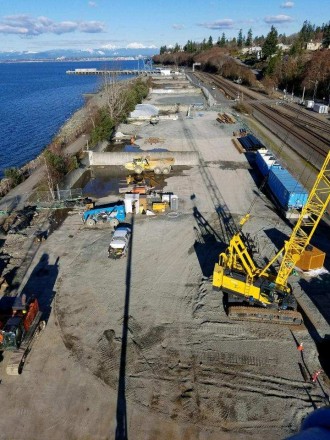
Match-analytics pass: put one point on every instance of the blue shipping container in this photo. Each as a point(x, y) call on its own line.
point(250, 143)
point(265, 160)
point(287, 191)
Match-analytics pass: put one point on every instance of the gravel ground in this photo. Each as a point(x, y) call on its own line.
point(143, 344)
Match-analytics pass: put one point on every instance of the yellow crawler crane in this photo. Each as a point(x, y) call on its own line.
point(270, 294)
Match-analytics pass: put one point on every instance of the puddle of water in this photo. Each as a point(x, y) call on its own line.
point(108, 180)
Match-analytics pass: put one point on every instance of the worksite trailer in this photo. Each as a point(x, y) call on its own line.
point(321, 108)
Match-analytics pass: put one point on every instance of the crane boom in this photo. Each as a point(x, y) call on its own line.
point(269, 293)
point(311, 215)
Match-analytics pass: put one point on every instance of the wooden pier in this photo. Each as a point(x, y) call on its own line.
point(111, 72)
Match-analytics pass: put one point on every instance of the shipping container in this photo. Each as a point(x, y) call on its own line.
point(321, 108)
point(250, 143)
point(265, 160)
point(289, 193)
point(309, 104)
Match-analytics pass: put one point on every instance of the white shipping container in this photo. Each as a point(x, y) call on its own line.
point(309, 104)
point(321, 108)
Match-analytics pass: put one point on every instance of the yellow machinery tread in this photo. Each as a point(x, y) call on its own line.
point(287, 317)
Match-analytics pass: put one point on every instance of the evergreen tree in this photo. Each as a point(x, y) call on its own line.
point(326, 35)
point(307, 32)
point(269, 47)
point(249, 39)
point(210, 42)
point(223, 40)
point(240, 38)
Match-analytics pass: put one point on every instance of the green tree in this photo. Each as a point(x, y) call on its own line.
point(269, 47)
point(307, 32)
point(14, 175)
point(240, 39)
point(223, 40)
point(249, 38)
point(297, 47)
point(210, 42)
point(273, 66)
point(326, 35)
point(103, 128)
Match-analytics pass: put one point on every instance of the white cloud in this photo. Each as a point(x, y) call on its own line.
point(287, 5)
point(278, 19)
point(91, 27)
point(226, 23)
point(92, 4)
point(178, 27)
point(26, 25)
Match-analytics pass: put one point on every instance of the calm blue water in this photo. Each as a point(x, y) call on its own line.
point(35, 101)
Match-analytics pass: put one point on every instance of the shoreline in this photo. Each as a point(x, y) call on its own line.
point(68, 133)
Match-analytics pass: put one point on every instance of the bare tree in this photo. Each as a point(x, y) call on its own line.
point(116, 98)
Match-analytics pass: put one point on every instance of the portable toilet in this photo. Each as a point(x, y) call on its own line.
point(174, 202)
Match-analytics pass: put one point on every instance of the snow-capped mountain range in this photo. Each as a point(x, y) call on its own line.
point(73, 54)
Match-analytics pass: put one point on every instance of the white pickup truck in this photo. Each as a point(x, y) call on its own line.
point(119, 242)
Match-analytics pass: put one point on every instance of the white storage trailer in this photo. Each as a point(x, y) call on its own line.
point(321, 108)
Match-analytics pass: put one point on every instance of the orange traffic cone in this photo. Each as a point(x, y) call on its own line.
point(300, 347)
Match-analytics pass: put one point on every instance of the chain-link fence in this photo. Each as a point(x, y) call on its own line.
point(57, 198)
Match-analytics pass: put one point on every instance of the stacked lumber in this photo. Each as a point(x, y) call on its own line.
point(225, 118)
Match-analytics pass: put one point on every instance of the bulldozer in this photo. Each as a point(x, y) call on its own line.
point(158, 166)
point(259, 294)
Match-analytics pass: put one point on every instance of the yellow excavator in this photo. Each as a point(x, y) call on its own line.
point(259, 294)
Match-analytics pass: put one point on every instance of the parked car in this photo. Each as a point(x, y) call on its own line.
point(119, 243)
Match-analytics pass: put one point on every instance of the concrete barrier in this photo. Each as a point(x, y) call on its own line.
point(188, 158)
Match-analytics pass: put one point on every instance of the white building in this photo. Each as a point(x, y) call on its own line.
point(313, 45)
point(284, 47)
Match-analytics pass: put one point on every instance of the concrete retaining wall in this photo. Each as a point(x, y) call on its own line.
point(188, 158)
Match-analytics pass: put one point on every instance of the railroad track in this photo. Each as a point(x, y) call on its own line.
point(308, 130)
point(308, 138)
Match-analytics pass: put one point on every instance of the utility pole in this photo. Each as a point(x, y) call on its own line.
point(315, 88)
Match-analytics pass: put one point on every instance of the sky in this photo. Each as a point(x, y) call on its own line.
point(38, 25)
